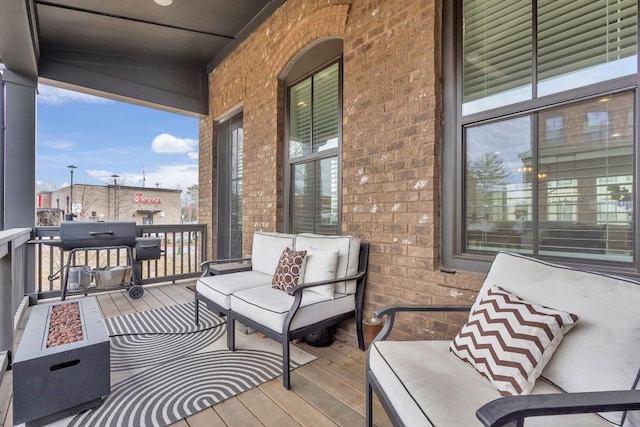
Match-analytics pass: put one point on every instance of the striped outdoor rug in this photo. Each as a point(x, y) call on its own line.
point(160, 377)
point(175, 319)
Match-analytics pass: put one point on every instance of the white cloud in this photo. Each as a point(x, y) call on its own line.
point(169, 144)
point(57, 145)
point(173, 176)
point(123, 178)
point(193, 155)
point(100, 174)
point(55, 96)
point(165, 176)
point(46, 186)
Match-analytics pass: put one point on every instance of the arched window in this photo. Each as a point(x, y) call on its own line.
point(313, 140)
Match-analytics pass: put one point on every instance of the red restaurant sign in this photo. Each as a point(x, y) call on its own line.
point(137, 198)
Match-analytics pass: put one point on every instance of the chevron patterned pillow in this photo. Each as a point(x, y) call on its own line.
point(509, 340)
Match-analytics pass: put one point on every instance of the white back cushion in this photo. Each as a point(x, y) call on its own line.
point(348, 248)
point(267, 248)
point(602, 352)
point(321, 265)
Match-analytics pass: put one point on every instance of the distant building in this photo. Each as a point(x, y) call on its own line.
point(110, 202)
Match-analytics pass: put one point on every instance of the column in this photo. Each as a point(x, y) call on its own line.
point(19, 197)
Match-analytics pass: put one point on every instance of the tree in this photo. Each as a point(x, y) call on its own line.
point(483, 175)
point(488, 170)
point(190, 208)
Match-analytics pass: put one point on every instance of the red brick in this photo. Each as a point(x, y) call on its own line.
point(391, 142)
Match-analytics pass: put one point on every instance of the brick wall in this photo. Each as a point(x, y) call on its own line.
point(391, 142)
point(206, 187)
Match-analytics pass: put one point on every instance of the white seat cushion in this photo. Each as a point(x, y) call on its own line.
point(269, 307)
point(427, 385)
point(219, 288)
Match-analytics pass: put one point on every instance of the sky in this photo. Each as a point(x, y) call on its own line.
point(103, 137)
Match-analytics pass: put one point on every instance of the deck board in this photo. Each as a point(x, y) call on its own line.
point(233, 412)
point(301, 410)
point(326, 392)
point(156, 291)
point(265, 409)
point(322, 399)
point(351, 397)
point(207, 418)
point(107, 306)
point(122, 302)
point(177, 296)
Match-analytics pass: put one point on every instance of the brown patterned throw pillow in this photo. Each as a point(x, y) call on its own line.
point(289, 270)
point(509, 340)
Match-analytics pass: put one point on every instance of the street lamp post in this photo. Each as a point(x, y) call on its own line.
point(70, 214)
point(115, 195)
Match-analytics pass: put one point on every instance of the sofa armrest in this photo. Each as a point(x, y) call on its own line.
point(206, 265)
point(391, 310)
point(297, 289)
point(508, 409)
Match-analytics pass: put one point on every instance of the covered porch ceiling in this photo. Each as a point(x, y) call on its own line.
point(133, 50)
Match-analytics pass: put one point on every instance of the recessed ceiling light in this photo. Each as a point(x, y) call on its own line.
point(164, 2)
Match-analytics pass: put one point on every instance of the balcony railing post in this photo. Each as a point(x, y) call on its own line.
point(6, 302)
point(30, 270)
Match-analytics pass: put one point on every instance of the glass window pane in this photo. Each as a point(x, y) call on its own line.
point(327, 219)
point(325, 109)
point(497, 53)
point(582, 42)
point(303, 203)
point(585, 187)
point(229, 180)
point(498, 197)
point(315, 197)
point(553, 128)
point(300, 119)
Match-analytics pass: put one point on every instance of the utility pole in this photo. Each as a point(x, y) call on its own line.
point(115, 195)
point(70, 213)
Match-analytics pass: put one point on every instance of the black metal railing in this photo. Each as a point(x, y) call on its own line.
point(183, 250)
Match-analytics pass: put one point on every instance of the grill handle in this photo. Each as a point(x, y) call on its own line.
point(96, 233)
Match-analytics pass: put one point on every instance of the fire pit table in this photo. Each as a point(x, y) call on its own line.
point(60, 375)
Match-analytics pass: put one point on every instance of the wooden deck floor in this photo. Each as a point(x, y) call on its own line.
point(326, 392)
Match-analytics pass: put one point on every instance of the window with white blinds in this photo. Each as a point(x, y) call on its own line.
point(326, 109)
point(497, 53)
point(315, 199)
point(512, 53)
point(550, 176)
point(229, 187)
point(585, 42)
point(314, 141)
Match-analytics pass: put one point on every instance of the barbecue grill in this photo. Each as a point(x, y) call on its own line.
point(94, 234)
point(102, 235)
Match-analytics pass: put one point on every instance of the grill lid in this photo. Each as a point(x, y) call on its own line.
point(87, 234)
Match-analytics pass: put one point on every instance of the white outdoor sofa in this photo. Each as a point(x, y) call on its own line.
point(331, 292)
point(595, 369)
